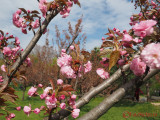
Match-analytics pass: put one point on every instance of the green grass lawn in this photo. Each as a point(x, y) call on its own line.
point(115, 113)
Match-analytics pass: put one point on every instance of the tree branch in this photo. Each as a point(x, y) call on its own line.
point(108, 102)
point(92, 93)
point(28, 49)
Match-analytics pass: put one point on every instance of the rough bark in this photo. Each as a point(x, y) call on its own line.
point(108, 102)
point(28, 49)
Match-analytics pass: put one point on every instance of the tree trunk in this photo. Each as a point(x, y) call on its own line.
point(147, 91)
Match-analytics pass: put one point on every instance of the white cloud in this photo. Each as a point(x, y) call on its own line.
point(98, 15)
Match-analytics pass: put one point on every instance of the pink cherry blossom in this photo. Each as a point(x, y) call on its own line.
point(27, 110)
point(7, 51)
point(63, 50)
point(123, 52)
point(40, 85)
point(144, 28)
point(3, 68)
point(16, 21)
point(102, 73)
point(151, 55)
point(8, 118)
point(59, 82)
point(71, 47)
point(24, 30)
point(64, 60)
point(1, 79)
point(127, 38)
point(73, 97)
point(75, 113)
point(103, 39)
point(62, 105)
point(36, 111)
point(68, 71)
point(105, 62)
point(18, 108)
point(138, 67)
point(28, 61)
point(35, 24)
point(17, 41)
point(12, 115)
point(121, 62)
point(62, 97)
point(32, 91)
point(88, 67)
point(42, 107)
point(51, 102)
point(136, 40)
point(43, 7)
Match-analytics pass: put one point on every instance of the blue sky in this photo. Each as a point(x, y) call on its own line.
point(98, 16)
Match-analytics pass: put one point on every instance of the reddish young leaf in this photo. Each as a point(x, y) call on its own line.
point(63, 93)
point(52, 84)
point(107, 44)
point(23, 10)
point(113, 58)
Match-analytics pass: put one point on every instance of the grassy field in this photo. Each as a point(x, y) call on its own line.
point(115, 113)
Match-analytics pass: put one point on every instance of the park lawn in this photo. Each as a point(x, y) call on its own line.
point(115, 113)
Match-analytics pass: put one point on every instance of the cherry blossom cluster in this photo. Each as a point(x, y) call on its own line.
point(43, 6)
point(26, 19)
point(65, 62)
point(60, 97)
point(10, 51)
point(126, 40)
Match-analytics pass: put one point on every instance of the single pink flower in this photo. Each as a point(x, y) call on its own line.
point(144, 28)
point(59, 82)
point(150, 55)
point(17, 41)
point(73, 97)
point(1, 79)
point(138, 67)
point(51, 102)
point(102, 73)
point(71, 47)
point(43, 7)
point(64, 60)
point(3, 68)
point(32, 91)
point(62, 97)
point(75, 113)
point(27, 110)
point(105, 62)
point(7, 51)
point(36, 111)
point(123, 52)
point(62, 105)
point(18, 108)
point(127, 38)
point(12, 115)
point(88, 67)
point(103, 39)
point(40, 85)
point(68, 71)
point(121, 62)
point(35, 24)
